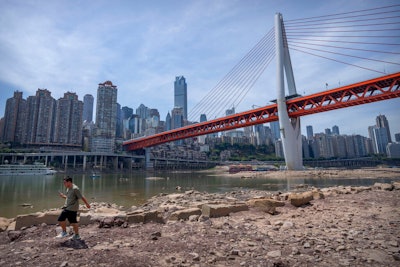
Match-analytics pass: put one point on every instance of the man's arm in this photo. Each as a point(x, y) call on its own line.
point(86, 202)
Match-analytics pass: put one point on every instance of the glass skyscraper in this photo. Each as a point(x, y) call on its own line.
point(180, 95)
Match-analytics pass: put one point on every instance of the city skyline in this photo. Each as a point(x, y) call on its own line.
point(310, 128)
point(141, 49)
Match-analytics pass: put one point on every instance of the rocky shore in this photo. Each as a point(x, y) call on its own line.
point(338, 226)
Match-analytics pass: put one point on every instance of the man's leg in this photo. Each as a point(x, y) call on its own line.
point(75, 226)
point(63, 225)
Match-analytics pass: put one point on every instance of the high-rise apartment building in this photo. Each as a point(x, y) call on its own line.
point(203, 117)
point(397, 137)
point(328, 131)
point(119, 127)
point(106, 118)
point(14, 119)
point(335, 130)
point(310, 132)
point(168, 122)
point(230, 111)
point(180, 95)
point(380, 134)
point(177, 118)
point(88, 101)
point(126, 112)
point(40, 117)
point(275, 130)
point(68, 120)
point(382, 122)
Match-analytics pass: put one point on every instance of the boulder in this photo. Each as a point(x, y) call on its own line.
point(153, 216)
point(184, 214)
point(266, 204)
point(4, 223)
point(383, 186)
point(220, 210)
point(300, 199)
point(396, 185)
point(38, 218)
point(135, 217)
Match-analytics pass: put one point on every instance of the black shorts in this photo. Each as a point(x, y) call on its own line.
point(67, 214)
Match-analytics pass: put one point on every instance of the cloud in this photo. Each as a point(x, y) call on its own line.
point(141, 46)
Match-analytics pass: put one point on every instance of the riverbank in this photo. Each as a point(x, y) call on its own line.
point(382, 172)
point(338, 226)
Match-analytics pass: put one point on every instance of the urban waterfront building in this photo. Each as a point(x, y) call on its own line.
point(393, 150)
point(135, 124)
point(126, 112)
point(40, 118)
point(168, 122)
point(335, 130)
point(177, 121)
point(106, 118)
point(382, 122)
point(88, 102)
point(180, 95)
point(119, 127)
point(380, 134)
point(310, 132)
point(68, 120)
point(177, 118)
point(275, 130)
point(14, 119)
point(397, 137)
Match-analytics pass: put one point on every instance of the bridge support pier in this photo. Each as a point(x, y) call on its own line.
point(289, 127)
point(148, 164)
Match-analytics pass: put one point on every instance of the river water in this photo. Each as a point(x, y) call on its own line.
point(28, 194)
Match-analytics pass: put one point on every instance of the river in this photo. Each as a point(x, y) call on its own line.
point(28, 194)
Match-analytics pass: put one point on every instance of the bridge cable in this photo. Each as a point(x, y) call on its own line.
point(348, 48)
point(234, 78)
point(212, 95)
point(347, 55)
point(227, 81)
point(242, 80)
point(337, 14)
point(338, 61)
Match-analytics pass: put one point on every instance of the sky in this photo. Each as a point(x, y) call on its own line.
point(141, 46)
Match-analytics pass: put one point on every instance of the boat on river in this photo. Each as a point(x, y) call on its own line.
point(25, 169)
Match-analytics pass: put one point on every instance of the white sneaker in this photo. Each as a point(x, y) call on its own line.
point(62, 235)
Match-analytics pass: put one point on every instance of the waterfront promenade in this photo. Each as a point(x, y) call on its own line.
point(95, 161)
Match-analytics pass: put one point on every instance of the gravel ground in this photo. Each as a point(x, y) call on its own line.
point(349, 227)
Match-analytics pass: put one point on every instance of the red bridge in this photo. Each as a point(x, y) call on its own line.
point(382, 88)
point(307, 36)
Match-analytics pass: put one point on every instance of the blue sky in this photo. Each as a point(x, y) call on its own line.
point(142, 45)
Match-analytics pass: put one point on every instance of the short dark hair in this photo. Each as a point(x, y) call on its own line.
point(68, 179)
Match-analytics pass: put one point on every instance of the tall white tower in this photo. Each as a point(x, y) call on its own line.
point(289, 127)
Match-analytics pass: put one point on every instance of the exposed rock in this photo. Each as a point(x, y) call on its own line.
point(220, 210)
point(4, 223)
point(384, 186)
point(350, 226)
point(184, 214)
point(300, 199)
point(266, 204)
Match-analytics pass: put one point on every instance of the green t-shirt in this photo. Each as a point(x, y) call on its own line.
point(72, 201)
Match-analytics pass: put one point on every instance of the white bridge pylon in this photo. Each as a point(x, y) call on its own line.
point(289, 127)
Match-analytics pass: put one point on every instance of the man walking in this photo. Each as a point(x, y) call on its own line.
point(70, 208)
